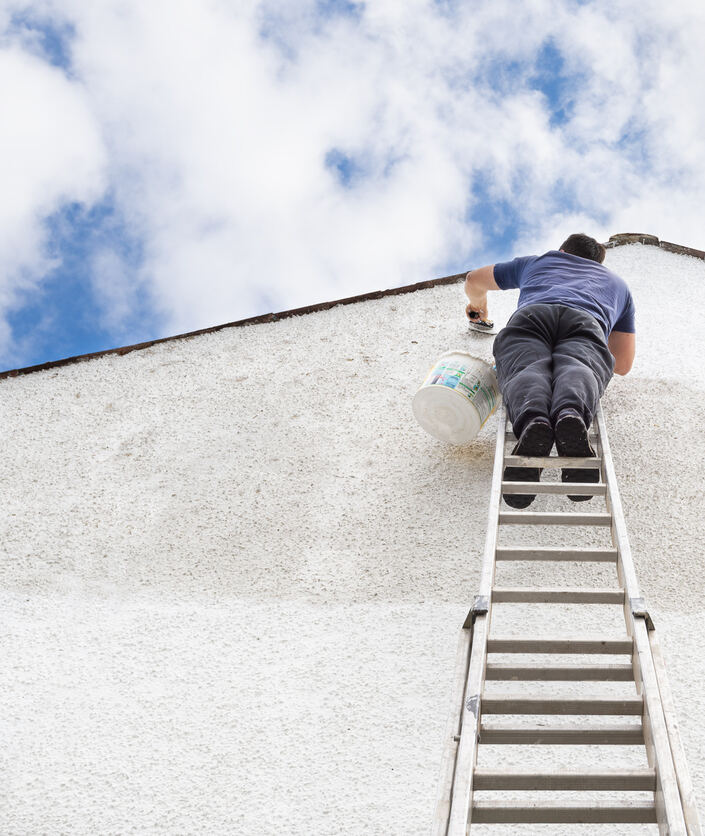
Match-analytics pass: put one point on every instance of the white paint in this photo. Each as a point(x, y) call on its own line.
point(234, 568)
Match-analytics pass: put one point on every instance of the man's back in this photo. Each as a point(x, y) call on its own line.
point(565, 279)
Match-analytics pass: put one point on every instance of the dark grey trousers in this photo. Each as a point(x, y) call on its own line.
point(549, 358)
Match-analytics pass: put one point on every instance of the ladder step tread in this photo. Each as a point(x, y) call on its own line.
point(581, 488)
point(563, 812)
point(559, 645)
point(554, 518)
point(559, 595)
point(636, 779)
point(518, 704)
point(553, 461)
point(556, 553)
point(612, 735)
point(560, 673)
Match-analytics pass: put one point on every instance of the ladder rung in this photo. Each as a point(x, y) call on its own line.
point(562, 812)
point(553, 461)
point(509, 704)
point(560, 673)
point(593, 645)
point(536, 595)
point(553, 518)
point(557, 553)
point(577, 488)
point(636, 779)
point(628, 735)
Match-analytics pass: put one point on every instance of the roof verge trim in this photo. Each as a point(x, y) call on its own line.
point(253, 320)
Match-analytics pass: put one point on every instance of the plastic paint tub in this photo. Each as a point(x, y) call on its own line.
point(457, 397)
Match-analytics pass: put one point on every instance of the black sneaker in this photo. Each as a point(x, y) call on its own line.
point(572, 440)
point(536, 440)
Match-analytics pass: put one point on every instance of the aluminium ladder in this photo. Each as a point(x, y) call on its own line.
point(664, 781)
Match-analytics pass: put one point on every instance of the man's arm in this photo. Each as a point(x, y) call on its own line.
point(477, 283)
point(623, 347)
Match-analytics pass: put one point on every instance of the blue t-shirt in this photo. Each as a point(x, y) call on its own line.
point(558, 278)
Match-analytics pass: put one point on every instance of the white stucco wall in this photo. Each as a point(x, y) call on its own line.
point(234, 569)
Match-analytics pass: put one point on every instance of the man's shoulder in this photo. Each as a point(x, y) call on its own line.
point(520, 258)
point(616, 278)
point(520, 263)
point(508, 274)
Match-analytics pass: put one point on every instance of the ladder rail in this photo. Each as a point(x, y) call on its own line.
point(452, 733)
point(685, 785)
point(466, 758)
point(625, 562)
point(674, 788)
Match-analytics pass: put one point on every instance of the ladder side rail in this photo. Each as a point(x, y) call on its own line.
point(461, 798)
point(609, 477)
point(619, 526)
point(452, 733)
point(669, 808)
point(685, 785)
point(488, 559)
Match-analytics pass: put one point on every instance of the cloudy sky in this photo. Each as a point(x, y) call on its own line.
point(166, 165)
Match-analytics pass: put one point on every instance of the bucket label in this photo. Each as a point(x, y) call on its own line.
point(471, 380)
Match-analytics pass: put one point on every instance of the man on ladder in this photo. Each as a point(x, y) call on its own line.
point(573, 328)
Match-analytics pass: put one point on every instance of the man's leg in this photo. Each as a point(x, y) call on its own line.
point(582, 365)
point(582, 368)
point(522, 352)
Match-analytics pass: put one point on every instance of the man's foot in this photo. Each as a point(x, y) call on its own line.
point(572, 440)
point(536, 440)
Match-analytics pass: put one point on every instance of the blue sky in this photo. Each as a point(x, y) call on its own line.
point(163, 179)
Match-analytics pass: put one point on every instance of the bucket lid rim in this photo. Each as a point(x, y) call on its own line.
point(467, 354)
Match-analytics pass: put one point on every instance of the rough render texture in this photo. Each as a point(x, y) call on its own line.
point(234, 569)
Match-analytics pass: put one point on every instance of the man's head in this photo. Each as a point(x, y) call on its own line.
point(584, 246)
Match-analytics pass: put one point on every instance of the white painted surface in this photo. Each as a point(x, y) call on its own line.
point(234, 568)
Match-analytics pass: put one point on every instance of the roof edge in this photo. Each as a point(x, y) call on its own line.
point(621, 239)
point(253, 320)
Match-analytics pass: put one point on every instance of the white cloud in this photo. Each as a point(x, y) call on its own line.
point(217, 137)
point(51, 153)
point(114, 287)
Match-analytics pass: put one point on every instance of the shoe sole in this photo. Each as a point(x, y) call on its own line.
point(572, 441)
point(536, 440)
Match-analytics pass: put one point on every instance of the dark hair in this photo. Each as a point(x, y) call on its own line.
point(584, 246)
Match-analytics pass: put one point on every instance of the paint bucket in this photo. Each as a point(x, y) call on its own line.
point(457, 397)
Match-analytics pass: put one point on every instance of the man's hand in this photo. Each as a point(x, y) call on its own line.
point(477, 312)
point(477, 283)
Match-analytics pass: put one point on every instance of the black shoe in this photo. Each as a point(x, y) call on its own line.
point(536, 440)
point(572, 440)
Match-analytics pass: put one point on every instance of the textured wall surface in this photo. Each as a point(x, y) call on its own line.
point(234, 569)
